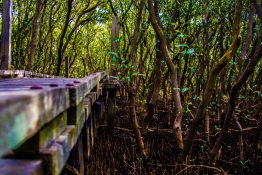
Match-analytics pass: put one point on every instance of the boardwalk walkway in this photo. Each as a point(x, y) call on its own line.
point(47, 124)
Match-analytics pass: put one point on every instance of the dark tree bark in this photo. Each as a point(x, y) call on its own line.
point(62, 36)
point(248, 40)
point(33, 42)
point(133, 88)
point(5, 59)
point(156, 87)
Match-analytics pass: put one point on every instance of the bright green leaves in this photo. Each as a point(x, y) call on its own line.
point(190, 51)
point(185, 89)
point(117, 40)
point(126, 71)
point(113, 54)
point(114, 77)
point(181, 45)
point(182, 35)
point(182, 90)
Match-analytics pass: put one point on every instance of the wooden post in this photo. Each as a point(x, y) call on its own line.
point(112, 82)
point(5, 59)
point(67, 66)
point(115, 35)
point(111, 110)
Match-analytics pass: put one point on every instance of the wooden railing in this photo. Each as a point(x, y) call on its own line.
point(47, 125)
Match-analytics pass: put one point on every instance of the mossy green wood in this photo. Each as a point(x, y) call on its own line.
point(45, 136)
point(55, 156)
point(22, 114)
point(57, 153)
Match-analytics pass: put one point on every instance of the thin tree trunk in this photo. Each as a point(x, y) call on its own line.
point(33, 42)
point(241, 141)
point(62, 36)
point(249, 33)
point(156, 87)
point(5, 59)
point(133, 88)
point(173, 74)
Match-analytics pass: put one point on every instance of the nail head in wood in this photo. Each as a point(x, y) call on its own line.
point(36, 87)
point(53, 85)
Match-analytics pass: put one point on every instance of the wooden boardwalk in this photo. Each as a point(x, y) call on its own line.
point(47, 123)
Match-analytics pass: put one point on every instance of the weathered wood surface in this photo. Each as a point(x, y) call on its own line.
point(50, 119)
point(22, 73)
point(27, 104)
point(57, 153)
point(22, 167)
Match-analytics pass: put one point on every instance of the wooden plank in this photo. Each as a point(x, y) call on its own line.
point(47, 134)
point(21, 167)
point(57, 153)
point(89, 83)
point(24, 113)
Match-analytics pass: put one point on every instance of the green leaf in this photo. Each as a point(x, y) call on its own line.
point(185, 89)
point(114, 77)
point(115, 40)
point(113, 54)
point(190, 51)
point(128, 79)
point(135, 74)
point(122, 51)
point(195, 97)
point(114, 60)
point(181, 45)
point(180, 35)
point(241, 97)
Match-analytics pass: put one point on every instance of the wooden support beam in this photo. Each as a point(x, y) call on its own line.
point(75, 163)
point(111, 88)
point(57, 153)
point(45, 136)
point(87, 143)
